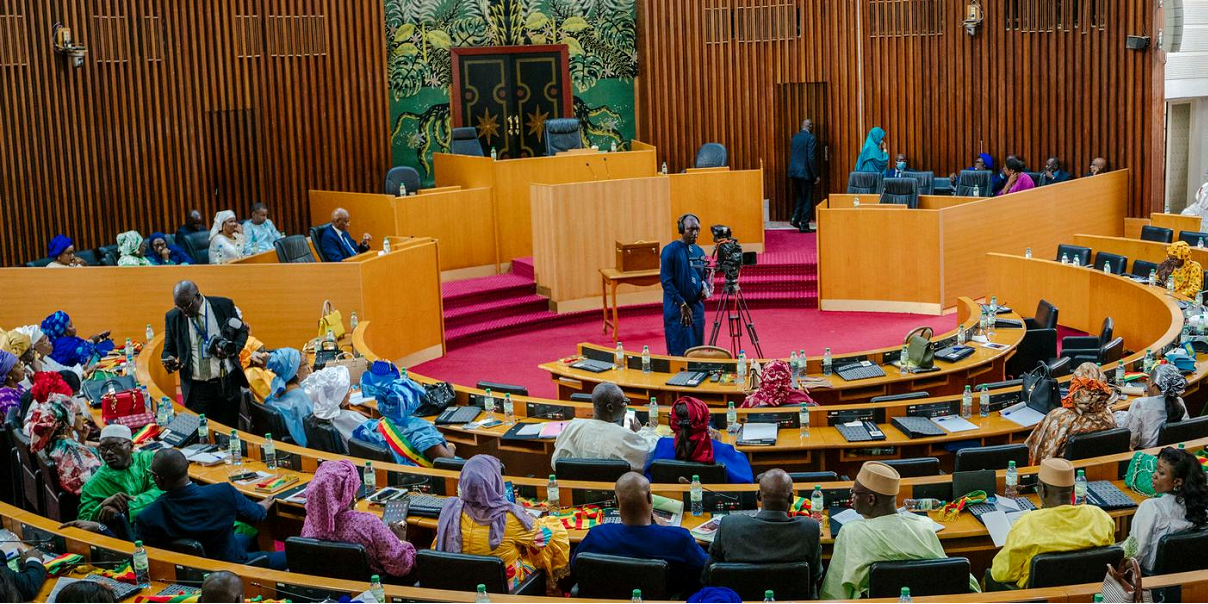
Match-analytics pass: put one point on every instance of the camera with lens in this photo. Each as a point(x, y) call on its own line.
point(728, 256)
point(223, 346)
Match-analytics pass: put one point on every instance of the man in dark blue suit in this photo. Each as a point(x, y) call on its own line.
point(337, 245)
point(804, 170)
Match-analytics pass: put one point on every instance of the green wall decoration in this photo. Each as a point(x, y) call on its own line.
point(600, 36)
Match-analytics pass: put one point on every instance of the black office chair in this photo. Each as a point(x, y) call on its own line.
point(465, 142)
point(789, 581)
point(605, 577)
point(594, 470)
point(462, 572)
point(1097, 444)
point(334, 559)
point(1142, 268)
point(89, 257)
point(1110, 353)
point(190, 547)
point(322, 435)
point(580, 397)
point(669, 471)
point(936, 577)
point(917, 466)
point(900, 191)
point(968, 180)
point(710, 155)
point(1115, 262)
point(864, 183)
point(198, 246)
point(562, 134)
point(1072, 568)
point(905, 396)
point(57, 503)
point(1178, 432)
point(31, 474)
point(367, 450)
point(994, 457)
point(316, 237)
point(449, 463)
point(1158, 234)
point(1037, 178)
point(1045, 318)
point(1077, 346)
point(401, 176)
point(814, 477)
point(109, 253)
point(293, 249)
point(1181, 552)
point(964, 483)
point(40, 262)
point(497, 388)
point(266, 419)
point(1194, 238)
point(1074, 252)
point(926, 180)
point(1037, 346)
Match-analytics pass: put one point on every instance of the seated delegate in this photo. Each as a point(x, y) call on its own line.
point(259, 231)
point(604, 435)
point(159, 253)
point(328, 390)
point(124, 484)
point(130, 248)
point(412, 440)
point(61, 250)
point(67, 348)
point(1085, 409)
point(694, 442)
point(1181, 505)
point(336, 243)
point(287, 395)
point(226, 238)
point(1187, 274)
point(1162, 403)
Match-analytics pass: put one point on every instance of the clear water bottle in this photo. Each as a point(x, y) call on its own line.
point(270, 452)
point(509, 409)
point(645, 359)
point(905, 597)
point(1107, 269)
point(855, 203)
point(1027, 253)
point(203, 429)
point(402, 374)
point(983, 322)
point(817, 502)
point(637, 593)
point(1120, 373)
point(235, 449)
point(904, 360)
point(960, 335)
point(1147, 363)
point(129, 357)
point(697, 496)
point(803, 418)
point(1199, 298)
point(161, 413)
point(1200, 243)
point(612, 147)
point(402, 189)
point(551, 493)
point(375, 588)
point(494, 154)
point(740, 369)
point(983, 402)
point(976, 191)
point(386, 244)
point(652, 410)
point(618, 358)
point(148, 402)
point(793, 367)
point(1170, 282)
point(150, 333)
point(967, 403)
point(330, 338)
point(1012, 489)
point(925, 504)
point(482, 589)
point(353, 321)
point(1075, 261)
point(488, 404)
point(664, 168)
point(1153, 277)
point(768, 597)
point(731, 418)
point(1065, 258)
point(369, 478)
point(169, 411)
point(801, 360)
point(826, 362)
point(1080, 488)
point(142, 567)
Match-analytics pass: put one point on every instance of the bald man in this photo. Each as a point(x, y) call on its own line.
point(605, 435)
point(210, 381)
point(772, 535)
point(337, 244)
point(1098, 166)
point(222, 586)
point(639, 536)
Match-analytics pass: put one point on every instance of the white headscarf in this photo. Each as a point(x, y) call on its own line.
point(220, 218)
point(327, 388)
point(33, 331)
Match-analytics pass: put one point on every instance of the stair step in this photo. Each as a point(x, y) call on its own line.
point(494, 309)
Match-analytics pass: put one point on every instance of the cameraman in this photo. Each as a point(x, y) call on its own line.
point(203, 343)
point(682, 271)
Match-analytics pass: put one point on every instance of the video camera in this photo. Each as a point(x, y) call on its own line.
point(223, 346)
point(728, 256)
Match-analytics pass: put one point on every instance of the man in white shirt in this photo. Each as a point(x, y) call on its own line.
point(605, 435)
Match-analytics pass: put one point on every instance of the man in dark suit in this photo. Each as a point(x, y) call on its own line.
point(804, 170)
point(771, 535)
point(28, 582)
point(337, 244)
point(210, 377)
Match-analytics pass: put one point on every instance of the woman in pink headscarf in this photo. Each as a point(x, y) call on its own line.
point(776, 389)
point(330, 498)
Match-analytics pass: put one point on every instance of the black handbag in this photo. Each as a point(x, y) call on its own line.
point(1040, 389)
point(437, 398)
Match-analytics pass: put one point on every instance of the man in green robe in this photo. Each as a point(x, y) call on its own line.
point(123, 485)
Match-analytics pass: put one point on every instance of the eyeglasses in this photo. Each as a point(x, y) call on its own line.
point(196, 298)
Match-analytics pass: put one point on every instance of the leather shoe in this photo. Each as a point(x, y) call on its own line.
point(805, 229)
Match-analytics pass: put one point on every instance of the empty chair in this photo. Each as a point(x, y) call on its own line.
point(864, 183)
point(601, 576)
point(905, 396)
point(1158, 234)
point(109, 253)
point(316, 237)
point(400, 179)
point(669, 471)
point(935, 577)
point(1045, 318)
point(1178, 432)
point(711, 155)
point(465, 142)
point(293, 249)
point(1115, 262)
point(562, 134)
point(1097, 444)
point(88, 256)
point(1194, 238)
point(40, 262)
point(1073, 346)
point(1108, 353)
point(1073, 253)
point(334, 559)
point(813, 477)
point(918, 466)
point(366, 450)
point(1142, 268)
point(580, 397)
point(900, 191)
point(449, 463)
point(974, 183)
point(1072, 568)
point(1037, 346)
point(789, 580)
point(462, 572)
point(708, 352)
point(597, 470)
point(994, 457)
point(198, 246)
point(1037, 178)
point(926, 180)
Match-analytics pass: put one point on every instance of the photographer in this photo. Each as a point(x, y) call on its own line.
point(202, 339)
point(684, 288)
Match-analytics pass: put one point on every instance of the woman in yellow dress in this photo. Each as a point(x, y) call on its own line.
point(481, 521)
point(1188, 274)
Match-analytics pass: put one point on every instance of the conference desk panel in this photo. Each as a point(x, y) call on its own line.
point(1134, 249)
point(926, 202)
point(1176, 222)
point(720, 196)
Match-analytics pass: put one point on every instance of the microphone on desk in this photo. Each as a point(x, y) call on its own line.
point(683, 480)
point(594, 176)
point(607, 172)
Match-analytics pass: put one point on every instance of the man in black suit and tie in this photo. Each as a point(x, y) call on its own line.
point(337, 245)
point(804, 170)
point(199, 336)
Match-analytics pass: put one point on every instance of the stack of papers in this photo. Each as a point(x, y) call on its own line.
point(552, 429)
point(529, 431)
point(1022, 414)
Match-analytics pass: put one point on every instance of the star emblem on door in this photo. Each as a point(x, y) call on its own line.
point(536, 123)
point(488, 126)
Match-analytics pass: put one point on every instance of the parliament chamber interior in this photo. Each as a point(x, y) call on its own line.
point(604, 300)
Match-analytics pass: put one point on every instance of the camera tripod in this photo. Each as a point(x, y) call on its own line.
point(738, 316)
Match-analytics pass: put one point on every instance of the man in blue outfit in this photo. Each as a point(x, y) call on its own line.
point(638, 536)
point(336, 243)
point(684, 289)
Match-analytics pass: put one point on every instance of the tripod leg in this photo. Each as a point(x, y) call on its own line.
point(721, 308)
point(745, 313)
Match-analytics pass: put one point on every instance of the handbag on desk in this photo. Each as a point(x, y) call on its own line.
point(1040, 389)
point(1123, 583)
point(357, 366)
point(127, 407)
point(330, 319)
point(920, 350)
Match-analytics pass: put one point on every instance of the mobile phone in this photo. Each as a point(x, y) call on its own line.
point(396, 510)
point(152, 446)
point(243, 476)
point(384, 495)
point(509, 491)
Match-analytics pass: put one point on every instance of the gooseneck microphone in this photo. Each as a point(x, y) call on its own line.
point(594, 176)
point(683, 480)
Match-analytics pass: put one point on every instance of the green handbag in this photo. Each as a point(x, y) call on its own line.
point(920, 351)
point(1139, 476)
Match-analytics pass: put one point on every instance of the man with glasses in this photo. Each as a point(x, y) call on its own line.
point(124, 485)
point(883, 535)
point(605, 435)
point(210, 378)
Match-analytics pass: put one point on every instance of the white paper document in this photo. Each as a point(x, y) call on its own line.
point(1022, 414)
point(954, 423)
point(847, 515)
point(530, 430)
point(935, 526)
point(998, 523)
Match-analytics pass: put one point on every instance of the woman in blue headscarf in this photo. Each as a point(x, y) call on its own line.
point(61, 250)
point(412, 440)
point(287, 396)
point(873, 157)
point(160, 253)
point(70, 350)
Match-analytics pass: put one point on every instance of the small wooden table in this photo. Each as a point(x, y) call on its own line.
point(611, 278)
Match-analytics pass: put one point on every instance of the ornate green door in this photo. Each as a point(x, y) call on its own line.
point(507, 92)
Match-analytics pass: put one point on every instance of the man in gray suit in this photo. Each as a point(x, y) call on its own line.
point(805, 173)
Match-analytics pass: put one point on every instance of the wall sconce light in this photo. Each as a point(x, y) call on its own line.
point(974, 15)
point(60, 36)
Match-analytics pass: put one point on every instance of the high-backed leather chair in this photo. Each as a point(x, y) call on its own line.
point(1105, 355)
point(994, 457)
point(1181, 552)
point(463, 572)
point(400, 176)
point(864, 183)
point(293, 249)
point(1177, 432)
point(814, 477)
point(1045, 318)
point(936, 577)
point(605, 577)
point(596, 470)
point(1074, 252)
point(1072, 568)
point(1115, 262)
point(39, 263)
point(1037, 178)
point(498, 388)
point(109, 253)
point(316, 237)
point(321, 435)
point(198, 246)
point(1156, 233)
point(1142, 268)
point(915, 466)
point(449, 463)
point(57, 503)
point(1193, 238)
point(1097, 444)
point(1037, 346)
point(31, 474)
point(465, 142)
point(562, 134)
point(266, 419)
point(334, 559)
point(669, 471)
point(711, 155)
point(708, 352)
point(968, 180)
point(926, 180)
point(367, 450)
point(1073, 346)
point(89, 257)
point(900, 191)
point(789, 581)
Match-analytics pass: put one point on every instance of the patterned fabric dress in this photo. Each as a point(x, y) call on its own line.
point(1084, 410)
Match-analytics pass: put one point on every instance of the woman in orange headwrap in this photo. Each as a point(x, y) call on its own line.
point(1084, 409)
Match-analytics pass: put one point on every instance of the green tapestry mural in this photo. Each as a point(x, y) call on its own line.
point(600, 36)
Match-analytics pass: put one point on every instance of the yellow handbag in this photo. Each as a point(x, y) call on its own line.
point(331, 319)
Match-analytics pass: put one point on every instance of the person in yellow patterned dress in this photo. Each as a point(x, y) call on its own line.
point(1188, 274)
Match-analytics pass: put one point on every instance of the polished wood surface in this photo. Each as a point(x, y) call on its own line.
point(610, 280)
point(745, 74)
point(721, 196)
point(1134, 249)
point(926, 202)
point(1176, 222)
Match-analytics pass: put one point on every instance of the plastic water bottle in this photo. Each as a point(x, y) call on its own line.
point(793, 367)
point(855, 203)
point(904, 361)
point(1107, 269)
point(637, 593)
point(369, 478)
point(645, 359)
point(826, 362)
point(203, 429)
point(976, 191)
point(925, 504)
point(1065, 258)
point(618, 358)
point(1075, 261)
point(1012, 490)
point(488, 404)
point(1199, 298)
point(768, 597)
point(482, 589)
point(129, 357)
point(161, 413)
point(270, 453)
point(150, 333)
point(967, 403)
point(652, 410)
point(1147, 362)
point(1120, 373)
point(993, 305)
point(142, 567)
point(375, 588)
point(494, 154)
point(551, 493)
point(386, 244)
point(740, 369)
point(509, 409)
point(1200, 243)
point(801, 360)
point(983, 402)
point(905, 597)
point(235, 449)
point(1080, 488)
point(353, 321)
point(148, 403)
point(983, 322)
point(696, 493)
point(960, 335)
point(803, 418)
point(1027, 253)
point(1153, 277)
point(402, 189)
point(612, 147)
point(169, 411)
point(731, 418)
point(991, 318)
point(663, 169)
point(817, 502)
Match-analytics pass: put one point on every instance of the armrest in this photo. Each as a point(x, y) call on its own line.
point(1085, 342)
point(1031, 323)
